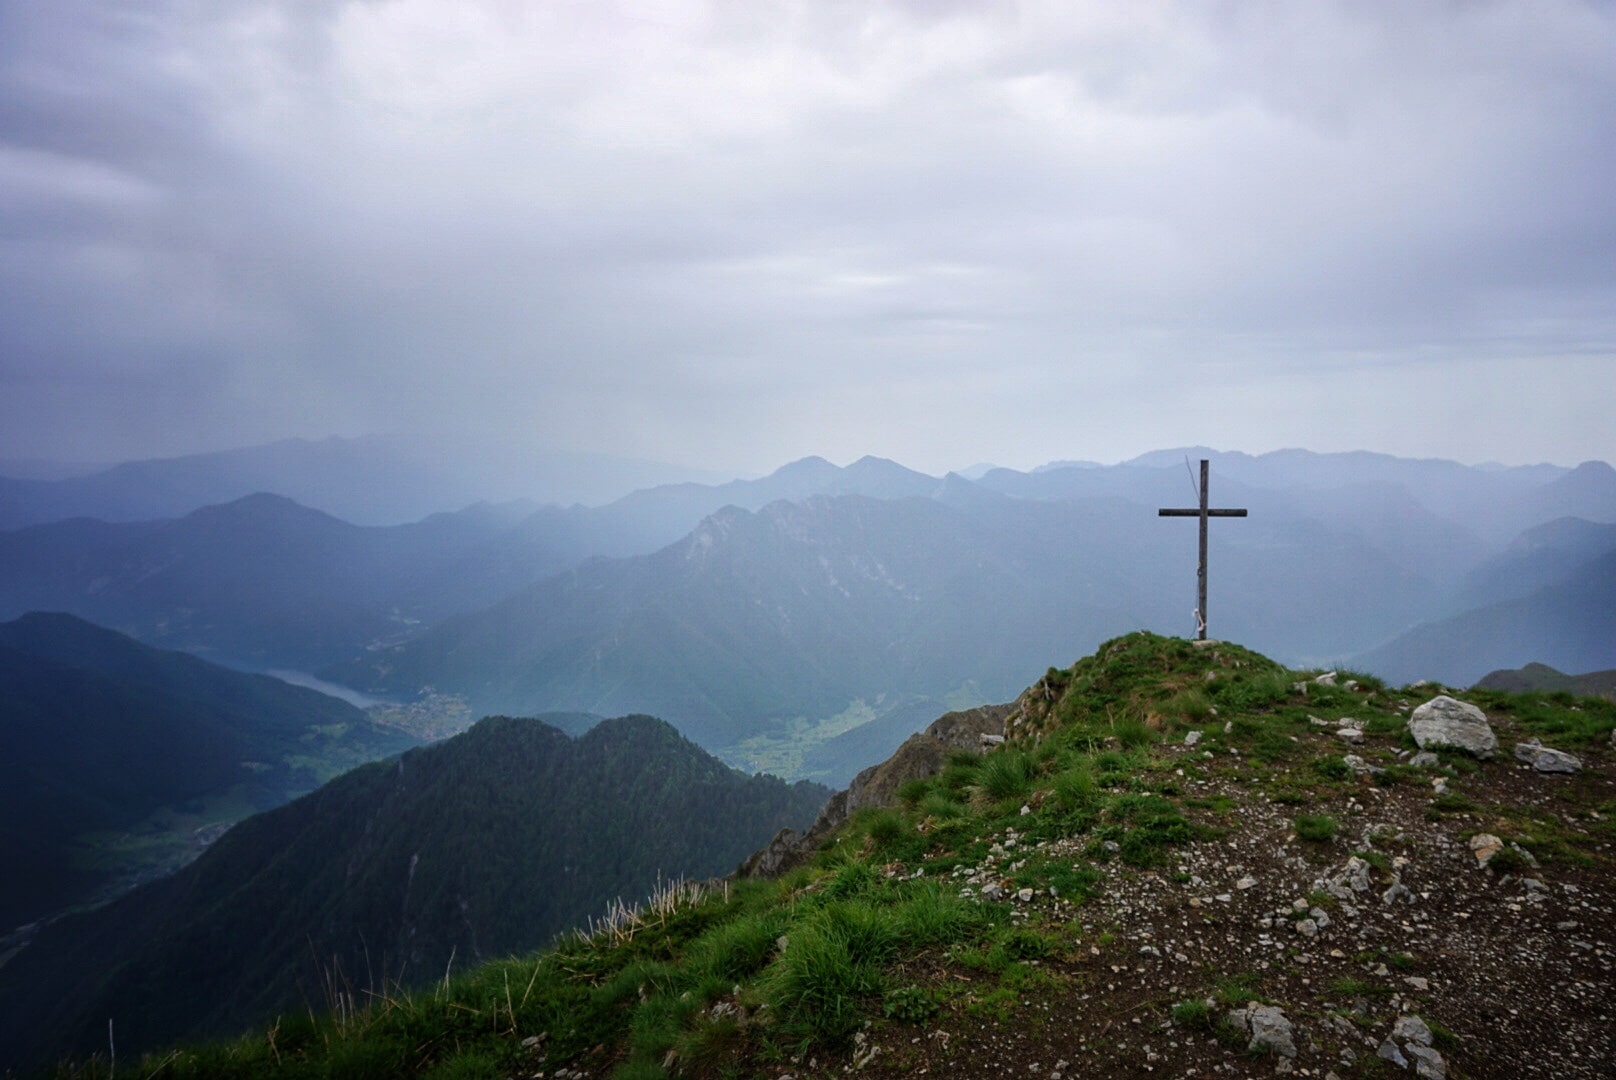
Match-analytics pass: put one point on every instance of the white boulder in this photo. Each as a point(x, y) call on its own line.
point(1443, 721)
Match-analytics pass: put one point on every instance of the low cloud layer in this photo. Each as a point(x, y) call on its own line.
point(728, 234)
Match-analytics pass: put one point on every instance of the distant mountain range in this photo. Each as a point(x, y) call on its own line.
point(372, 480)
point(767, 607)
point(1571, 624)
point(98, 733)
point(264, 582)
point(485, 845)
point(1544, 679)
point(799, 609)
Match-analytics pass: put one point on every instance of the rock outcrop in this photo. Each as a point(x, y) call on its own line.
point(923, 754)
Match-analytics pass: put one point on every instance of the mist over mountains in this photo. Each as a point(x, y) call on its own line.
point(371, 480)
point(804, 603)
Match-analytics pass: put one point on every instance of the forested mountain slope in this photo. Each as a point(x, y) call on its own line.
point(483, 845)
point(99, 732)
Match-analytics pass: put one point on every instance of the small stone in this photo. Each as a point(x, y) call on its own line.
point(1428, 1063)
point(1351, 735)
point(1425, 760)
point(993, 891)
point(1327, 679)
point(1270, 1030)
point(1417, 982)
point(1389, 1052)
point(1245, 883)
point(1412, 1027)
point(1545, 760)
point(1024, 895)
point(1192, 738)
point(1485, 846)
point(1398, 891)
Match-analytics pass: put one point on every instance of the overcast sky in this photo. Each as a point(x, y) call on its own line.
point(730, 234)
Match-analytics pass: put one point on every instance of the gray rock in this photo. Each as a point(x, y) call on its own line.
point(1425, 760)
point(1327, 679)
point(1443, 721)
point(1397, 891)
point(1390, 1051)
point(783, 851)
point(993, 891)
point(1352, 878)
point(1410, 1027)
point(1428, 1063)
point(1192, 738)
point(1270, 1030)
point(1543, 759)
point(1350, 734)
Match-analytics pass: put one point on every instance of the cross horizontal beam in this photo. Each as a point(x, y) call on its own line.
point(1194, 512)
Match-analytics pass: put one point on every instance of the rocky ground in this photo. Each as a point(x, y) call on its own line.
point(1386, 949)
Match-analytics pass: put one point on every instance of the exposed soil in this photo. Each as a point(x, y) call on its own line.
point(1511, 970)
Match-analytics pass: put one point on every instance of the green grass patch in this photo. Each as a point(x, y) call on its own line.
point(1316, 828)
point(1234, 991)
point(1195, 1014)
point(910, 1004)
point(1004, 775)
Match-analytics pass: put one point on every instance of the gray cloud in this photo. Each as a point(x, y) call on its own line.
point(729, 233)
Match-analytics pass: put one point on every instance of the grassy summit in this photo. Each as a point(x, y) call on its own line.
point(1171, 831)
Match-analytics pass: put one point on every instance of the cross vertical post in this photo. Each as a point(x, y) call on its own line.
point(1203, 512)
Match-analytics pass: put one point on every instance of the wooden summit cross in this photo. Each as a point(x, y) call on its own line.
point(1203, 513)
